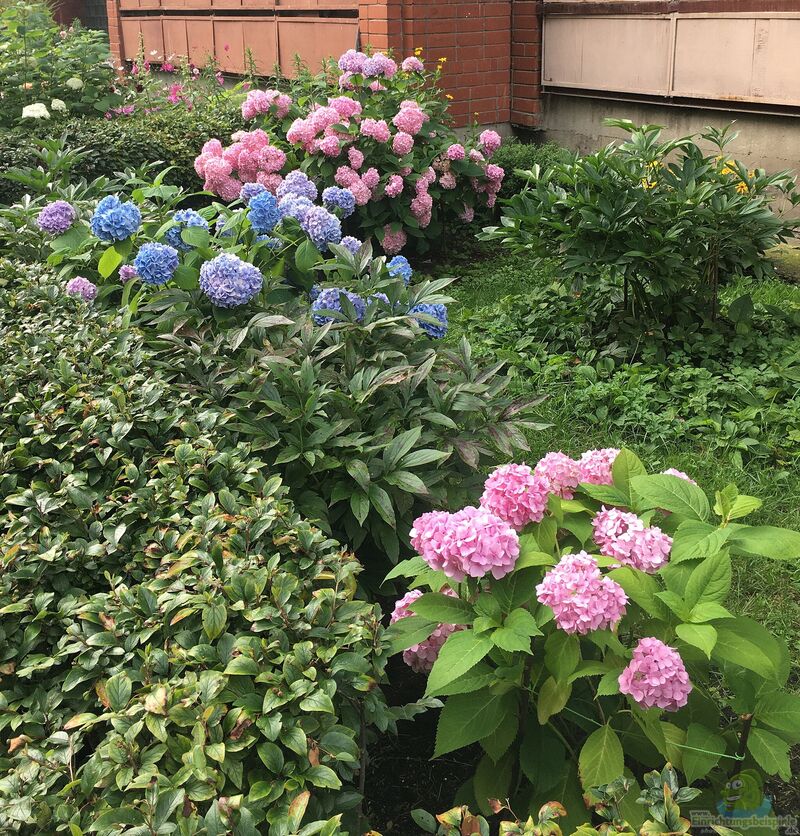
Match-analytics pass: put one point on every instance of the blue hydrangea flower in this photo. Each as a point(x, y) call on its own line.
point(250, 190)
point(156, 263)
point(330, 300)
point(314, 292)
point(437, 312)
point(297, 184)
point(351, 244)
point(263, 212)
point(271, 242)
point(379, 297)
point(399, 266)
point(295, 207)
point(342, 199)
point(184, 218)
point(114, 220)
point(322, 227)
point(229, 282)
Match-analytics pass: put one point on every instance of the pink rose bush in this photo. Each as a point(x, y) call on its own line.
point(391, 120)
point(591, 600)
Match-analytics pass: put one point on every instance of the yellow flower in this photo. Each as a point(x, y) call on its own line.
point(418, 51)
point(752, 173)
point(727, 170)
point(448, 96)
point(648, 184)
point(742, 187)
point(442, 60)
point(655, 164)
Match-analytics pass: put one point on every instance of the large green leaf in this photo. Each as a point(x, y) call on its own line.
point(695, 539)
point(409, 631)
point(466, 718)
point(459, 653)
point(671, 494)
point(771, 753)
point(747, 644)
point(710, 581)
point(702, 752)
point(552, 697)
point(766, 541)
point(781, 711)
point(435, 606)
point(601, 759)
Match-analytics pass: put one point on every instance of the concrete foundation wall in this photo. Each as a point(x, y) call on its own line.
point(770, 142)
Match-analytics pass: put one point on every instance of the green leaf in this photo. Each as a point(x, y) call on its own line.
point(271, 755)
point(408, 631)
point(695, 539)
point(642, 589)
point(307, 256)
point(407, 481)
point(118, 691)
point(770, 753)
point(459, 653)
point(743, 505)
point(242, 666)
point(360, 473)
point(435, 606)
point(497, 744)
point(109, 261)
point(673, 494)
point(607, 494)
point(215, 616)
point(491, 780)
point(781, 711)
point(383, 504)
point(562, 653)
point(701, 752)
point(323, 776)
point(407, 568)
point(626, 465)
point(195, 236)
point(466, 718)
point(481, 676)
point(601, 759)
point(765, 541)
point(399, 446)
point(703, 636)
point(318, 701)
point(553, 696)
point(425, 821)
point(747, 644)
point(359, 505)
point(710, 580)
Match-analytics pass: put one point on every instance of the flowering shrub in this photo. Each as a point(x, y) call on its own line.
point(48, 70)
point(571, 624)
point(383, 140)
point(666, 221)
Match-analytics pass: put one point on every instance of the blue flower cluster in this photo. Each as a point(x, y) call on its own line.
point(114, 220)
point(184, 218)
point(379, 297)
point(271, 242)
point(250, 190)
point(438, 312)
point(156, 263)
point(297, 183)
point(330, 300)
point(229, 282)
point(322, 227)
point(342, 199)
point(399, 266)
point(352, 245)
point(263, 212)
point(295, 207)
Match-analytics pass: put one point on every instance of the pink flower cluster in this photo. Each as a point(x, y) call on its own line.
point(395, 186)
point(581, 598)
point(410, 118)
point(490, 141)
point(656, 676)
point(623, 536)
point(393, 242)
point(595, 466)
point(422, 204)
point(561, 473)
point(420, 657)
point(402, 143)
point(260, 101)
point(412, 64)
point(361, 185)
point(377, 129)
point(516, 494)
point(492, 185)
point(671, 471)
point(250, 159)
point(471, 542)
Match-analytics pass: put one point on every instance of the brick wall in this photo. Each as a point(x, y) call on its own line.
point(526, 62)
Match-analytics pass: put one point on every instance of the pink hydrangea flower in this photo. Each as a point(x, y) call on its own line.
point(516, 494)
point(361, 192)
point(476, 156)
point(410, 118)
point(472, 542)
point(402, 144)
point(623, 536)
point(352, 61)
point(456, 152)
point(490, 141)
point(412, 64)
point(346, 81)
point(376, 86)
point(395, 186)
point(467, 214)
point(581, 598)
point(329, 146)
point(260, 101)
point(371, 178)
point(561, 473)
point(656, 676)
point(393, 242)
point(346, 107)
point(679, 473)
point(420, 657)
point(356, 158)
point(447, 180)
point(377, 129)
point(345, 177)
point(594, 466)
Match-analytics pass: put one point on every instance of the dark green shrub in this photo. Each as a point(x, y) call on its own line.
point(176, 643)
point(515, 156)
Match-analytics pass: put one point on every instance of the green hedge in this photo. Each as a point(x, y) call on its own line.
point(520, 155)
point(174, 136)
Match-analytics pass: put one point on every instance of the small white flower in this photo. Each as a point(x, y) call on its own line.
point(74, 83)
point(58, 106)
point(35, 111)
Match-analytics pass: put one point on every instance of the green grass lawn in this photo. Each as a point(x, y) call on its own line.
point(768, 591)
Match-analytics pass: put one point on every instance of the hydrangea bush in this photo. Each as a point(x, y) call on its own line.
point(380, 145)
point(575, 621)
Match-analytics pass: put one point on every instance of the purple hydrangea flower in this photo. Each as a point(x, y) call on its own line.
point(352, 245)
point(127, 272)
point(322, 227)
point(156, 263)
point(250, 190)
point(379, 297)
point(81, 287)
point(399, 266)
point(57, 217)
point(330, 300)
point(271, 242)
point(229, 282)
point(295, 207)
point(314, 292)
point(298, 184)
point(342, 199)
point(263, 212)
point(437, 312)
point(114, 220)
point(184, 218)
